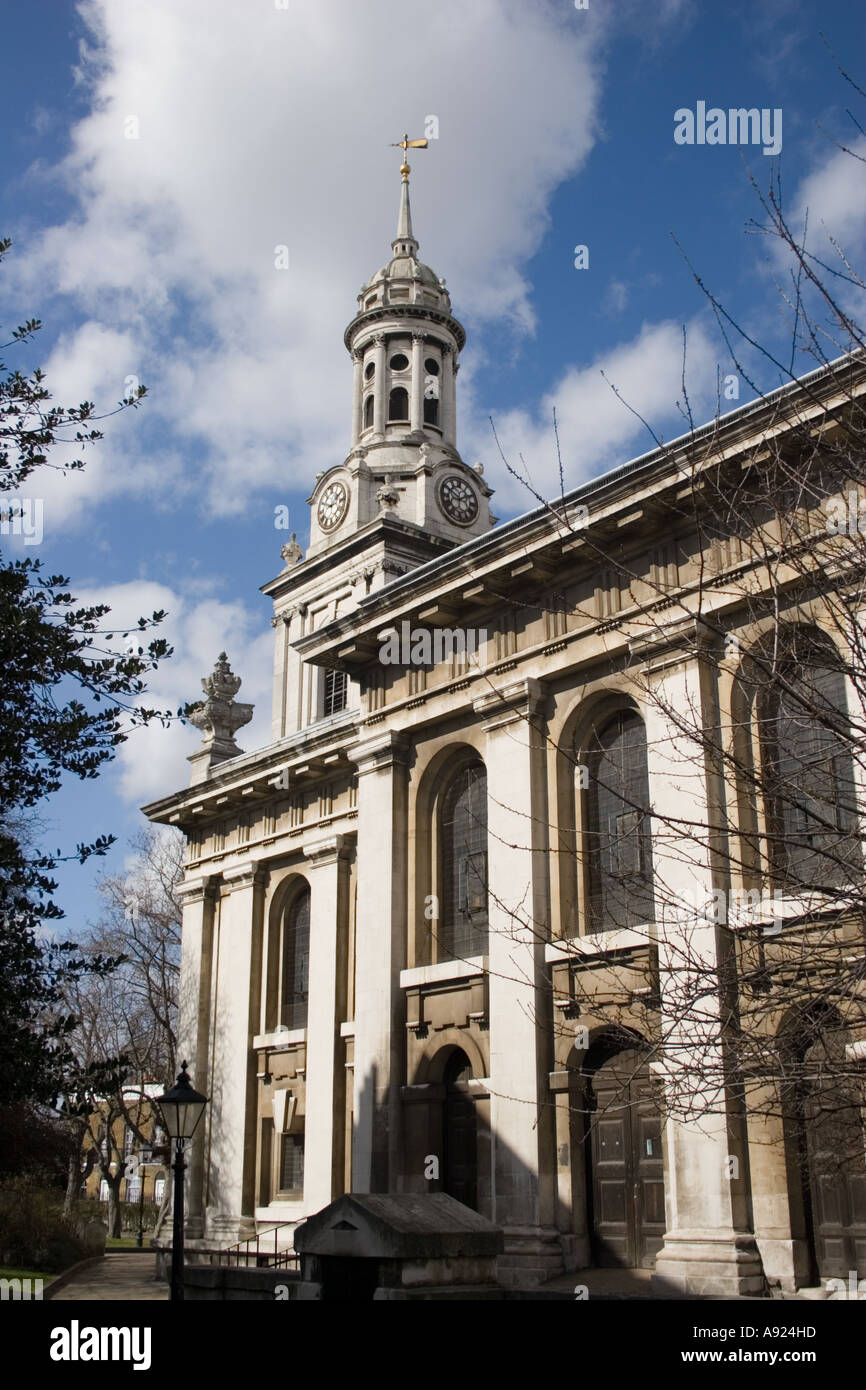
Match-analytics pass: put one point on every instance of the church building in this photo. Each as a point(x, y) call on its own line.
point(427, 938)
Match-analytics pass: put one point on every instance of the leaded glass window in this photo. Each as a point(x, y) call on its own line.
point(292, 1163)
point(808, 778)
point(463, 919)
point(296, 962)
point(618, 843)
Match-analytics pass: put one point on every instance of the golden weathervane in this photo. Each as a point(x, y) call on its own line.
point(407, 144)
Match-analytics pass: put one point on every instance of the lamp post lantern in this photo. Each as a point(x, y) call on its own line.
point(181, 1109)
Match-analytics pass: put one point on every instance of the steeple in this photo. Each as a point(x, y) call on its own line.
point(403, 464)
point(404, 244)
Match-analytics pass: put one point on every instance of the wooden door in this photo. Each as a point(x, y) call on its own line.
point(836, 1164)
point(628, 1193)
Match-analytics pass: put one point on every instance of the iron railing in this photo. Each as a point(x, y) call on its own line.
point(255, 1252)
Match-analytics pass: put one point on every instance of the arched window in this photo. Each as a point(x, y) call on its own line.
point(398, 404)
point(617, 837)
point(431, 410)
point(463, 909)
point(368, 412)
point(808, 774)
point(296, 961)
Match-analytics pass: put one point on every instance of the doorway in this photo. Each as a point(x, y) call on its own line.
point(625, 1188)
point(460, 1132)
point(832, 1145)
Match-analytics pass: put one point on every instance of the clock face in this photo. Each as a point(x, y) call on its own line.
point(332, 505)
point(458, 501)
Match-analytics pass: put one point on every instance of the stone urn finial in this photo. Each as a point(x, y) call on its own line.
point(292, 552)
point(219, 717)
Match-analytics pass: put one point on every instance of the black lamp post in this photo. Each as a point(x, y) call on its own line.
point(181, 1108)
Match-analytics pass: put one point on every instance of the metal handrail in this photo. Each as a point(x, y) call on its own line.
point(251, 1250)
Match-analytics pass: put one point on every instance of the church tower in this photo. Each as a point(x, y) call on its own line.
point(403, 495)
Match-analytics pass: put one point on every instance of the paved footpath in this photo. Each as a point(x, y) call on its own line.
point(122, 1275)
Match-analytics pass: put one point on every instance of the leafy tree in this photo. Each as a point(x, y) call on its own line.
point(67, 701)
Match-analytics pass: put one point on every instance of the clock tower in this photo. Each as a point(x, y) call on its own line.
point(403, 494)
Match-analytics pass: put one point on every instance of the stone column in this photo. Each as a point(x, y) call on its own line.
point(237, 1002)
point(709, 1244)
point(521, 1032)
point(380, 949)
point(447, 405)
point(199, 897)
point(357, 393)
point(416, 404)
point(380, 401)
point(325, 1120)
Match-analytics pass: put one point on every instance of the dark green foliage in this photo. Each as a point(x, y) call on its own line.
point(67, 700)
point(33, 1231)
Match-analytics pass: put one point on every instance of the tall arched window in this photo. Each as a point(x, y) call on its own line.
point(368, 412)
point(398, 404)
point(808, 773)
point(617, 837)
point(463, 827)
point(296, 961)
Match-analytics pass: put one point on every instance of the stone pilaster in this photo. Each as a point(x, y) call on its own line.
point(416, 404)
point(325, 1115)
point(380, 402)
point(448, 403)
point(237, 1001)
point(709, 1245)
point(199, 897)
point(380, 948)
point(357, 394)
point(522, 1120)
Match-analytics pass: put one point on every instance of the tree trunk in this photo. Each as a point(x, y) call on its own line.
point(73, 1182)
point(114, 1226)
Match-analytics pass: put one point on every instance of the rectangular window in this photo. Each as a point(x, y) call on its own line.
point(336, 686)
point(292, 1164)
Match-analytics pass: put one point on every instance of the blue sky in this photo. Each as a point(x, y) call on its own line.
point(158, 151)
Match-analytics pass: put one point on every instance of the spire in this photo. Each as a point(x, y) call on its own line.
point(404, 221)
point(404, 244)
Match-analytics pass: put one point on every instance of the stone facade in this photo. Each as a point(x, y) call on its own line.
point(363, 1016)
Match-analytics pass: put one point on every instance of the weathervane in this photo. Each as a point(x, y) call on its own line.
point(404, 145)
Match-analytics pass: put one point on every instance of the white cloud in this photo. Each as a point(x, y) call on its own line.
point(598, 430)
point(152, 762)
point(256, 127)
point(828, 214)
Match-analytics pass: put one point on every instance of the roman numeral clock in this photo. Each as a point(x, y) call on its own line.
point(458, 501)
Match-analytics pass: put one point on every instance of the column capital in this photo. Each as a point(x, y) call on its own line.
point(196, 890)
point(376, 754)
point(249, 875)
point(327, 851)
point(517, 700)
